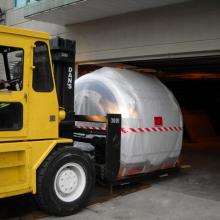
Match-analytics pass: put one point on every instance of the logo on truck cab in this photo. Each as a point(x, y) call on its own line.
point(70, 78)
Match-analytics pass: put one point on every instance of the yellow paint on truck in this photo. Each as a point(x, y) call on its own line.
point(23, 150)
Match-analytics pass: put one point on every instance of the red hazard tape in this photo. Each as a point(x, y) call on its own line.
point(137, 130)
point(152, 129)
point(91, 128)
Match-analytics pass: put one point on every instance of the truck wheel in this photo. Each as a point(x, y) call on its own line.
point(65, 181)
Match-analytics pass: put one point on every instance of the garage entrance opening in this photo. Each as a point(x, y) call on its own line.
point(195, 82)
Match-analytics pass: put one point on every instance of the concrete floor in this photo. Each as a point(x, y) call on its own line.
point(190, 194)
point(152, 204)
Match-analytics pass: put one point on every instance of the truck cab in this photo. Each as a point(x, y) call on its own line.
point(26, 66)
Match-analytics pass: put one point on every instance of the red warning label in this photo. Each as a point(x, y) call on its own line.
point(158, 121)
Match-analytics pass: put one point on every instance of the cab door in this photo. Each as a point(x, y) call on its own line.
point(44, 109)
point(13, 89)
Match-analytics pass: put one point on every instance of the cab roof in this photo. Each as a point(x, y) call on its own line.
point(24, 32)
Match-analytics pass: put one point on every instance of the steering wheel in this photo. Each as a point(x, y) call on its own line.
point(13, 84)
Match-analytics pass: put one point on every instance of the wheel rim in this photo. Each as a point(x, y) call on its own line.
point(70, 182)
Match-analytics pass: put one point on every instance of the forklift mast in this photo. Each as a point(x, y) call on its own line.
point(63, 58)
point(106, 142)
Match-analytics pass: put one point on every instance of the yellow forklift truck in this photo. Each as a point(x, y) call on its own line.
point(37, 126)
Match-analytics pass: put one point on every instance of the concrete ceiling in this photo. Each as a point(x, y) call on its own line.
point(67, 12)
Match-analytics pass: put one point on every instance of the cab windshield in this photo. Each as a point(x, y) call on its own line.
point(11, 68)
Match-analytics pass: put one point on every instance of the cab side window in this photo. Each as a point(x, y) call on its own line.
point(15, 61)
point(42, 74)
point(11, 78)
point(11, 68)
point(11, 116)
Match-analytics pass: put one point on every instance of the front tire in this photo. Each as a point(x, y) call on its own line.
point(65, 181)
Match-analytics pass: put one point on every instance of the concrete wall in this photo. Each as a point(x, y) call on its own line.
point(186, 29)
point(179, 29)
point(15, 17)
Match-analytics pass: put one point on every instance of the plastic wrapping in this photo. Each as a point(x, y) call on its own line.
point(151, 117)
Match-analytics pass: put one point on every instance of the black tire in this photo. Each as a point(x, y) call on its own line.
point(47, 196)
